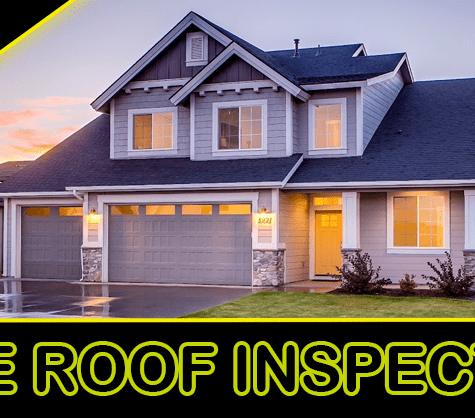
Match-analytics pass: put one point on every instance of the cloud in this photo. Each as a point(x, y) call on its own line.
point(55, 101)
point(27, 117)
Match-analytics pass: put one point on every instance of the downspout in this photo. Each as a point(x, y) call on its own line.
point(77, 196)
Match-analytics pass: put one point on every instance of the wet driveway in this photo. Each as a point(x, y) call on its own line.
point(58, 299)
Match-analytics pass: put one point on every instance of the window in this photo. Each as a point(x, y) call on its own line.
point(327, 126)
point(160, 210)
point(243, 209)
point(153, 130)
point(71, 211)
point(240, 126)
point(196, 49)
point(196, 210)
point(124, 210)
point(419, 220)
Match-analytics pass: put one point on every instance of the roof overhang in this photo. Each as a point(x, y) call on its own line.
point(235, 49)
point(101, 103)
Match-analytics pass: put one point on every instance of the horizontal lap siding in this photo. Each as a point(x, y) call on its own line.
point(294, 233)
point(373, 209)
point(275, 120)
point(377, 99)
point(138, 99)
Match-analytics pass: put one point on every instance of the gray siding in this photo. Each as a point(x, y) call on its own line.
point(294, 233)
point(302, 108)
point(377, 99)
point(139, 99)
point(373, 209)
point(171, 62)
point(276, 140)
point(235, 69)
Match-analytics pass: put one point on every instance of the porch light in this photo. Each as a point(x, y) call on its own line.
point(93, 218)
point(263, 211)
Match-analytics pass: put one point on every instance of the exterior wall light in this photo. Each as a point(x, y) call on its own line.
point(93, 218)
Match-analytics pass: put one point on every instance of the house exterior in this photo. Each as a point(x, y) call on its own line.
point(214, 162)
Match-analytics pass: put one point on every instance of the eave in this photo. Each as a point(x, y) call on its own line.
point(235, 49)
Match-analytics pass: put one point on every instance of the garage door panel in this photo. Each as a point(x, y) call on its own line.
point(184, 248)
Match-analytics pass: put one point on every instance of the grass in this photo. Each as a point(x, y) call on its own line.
point(268, 304)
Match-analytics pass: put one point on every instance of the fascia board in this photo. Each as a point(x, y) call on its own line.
point(382, 184)
point(154, 51)
point(338, 85)
point(191, 186)
point(391, 74)
point(235, 49)
point(37, 194)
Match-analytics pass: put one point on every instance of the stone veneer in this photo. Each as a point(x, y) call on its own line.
point(92, 264)
point(268, 267)
point(469, 262)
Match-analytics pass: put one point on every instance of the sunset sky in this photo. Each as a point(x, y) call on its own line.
point(49, 79)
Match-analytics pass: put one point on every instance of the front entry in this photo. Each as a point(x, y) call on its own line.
point(328, 238)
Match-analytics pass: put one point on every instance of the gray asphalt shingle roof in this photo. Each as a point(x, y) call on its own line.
point(427, 134)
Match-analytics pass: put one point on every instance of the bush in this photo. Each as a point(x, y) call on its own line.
point(446, 281)
point(408, 285)
point(360, 276)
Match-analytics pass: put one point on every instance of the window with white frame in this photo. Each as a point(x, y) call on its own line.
point(240, 126)
point(196, 49)
point(327, 126)
point(418, 220)
point(152, 129)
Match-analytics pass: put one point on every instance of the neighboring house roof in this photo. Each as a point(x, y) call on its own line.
point(11, 167)
point(82, 160)
point(427, 135)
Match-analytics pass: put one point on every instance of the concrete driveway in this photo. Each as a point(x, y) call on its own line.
point(58, 299)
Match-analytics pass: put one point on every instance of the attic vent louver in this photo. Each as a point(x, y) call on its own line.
point(296, 53)
point(197, 48)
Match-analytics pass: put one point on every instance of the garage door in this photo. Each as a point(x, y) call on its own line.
point(196, 244)
point(51, 238)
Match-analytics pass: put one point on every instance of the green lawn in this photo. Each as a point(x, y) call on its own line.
point(267, 304)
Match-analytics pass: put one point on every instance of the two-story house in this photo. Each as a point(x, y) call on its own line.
point(214, 162)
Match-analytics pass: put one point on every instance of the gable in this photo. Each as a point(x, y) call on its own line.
point(171, 63)
point(235, 70)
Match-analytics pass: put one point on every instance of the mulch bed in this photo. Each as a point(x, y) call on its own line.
point(417, 293)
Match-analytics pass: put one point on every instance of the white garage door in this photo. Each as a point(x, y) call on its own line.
point(196, 244)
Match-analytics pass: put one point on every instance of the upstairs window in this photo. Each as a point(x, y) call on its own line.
point(196, 49)
point(327, 126)
point(240, 126)
point(152, 129)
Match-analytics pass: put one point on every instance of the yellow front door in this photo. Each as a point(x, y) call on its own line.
point(328, 237)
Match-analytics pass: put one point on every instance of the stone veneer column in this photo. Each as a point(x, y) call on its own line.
point(92, 264)
point(469, 251)
point(469, 262)
point(268, 267)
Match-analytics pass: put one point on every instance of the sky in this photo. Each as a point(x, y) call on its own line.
point(49, 78)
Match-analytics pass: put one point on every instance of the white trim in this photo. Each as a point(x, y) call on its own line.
point(190, 62)
point(360, 48)
point(417, 250)
point(379, 184)
point(190, 19)
point(291, 172)
point(103, 202)
point(289, 125)
point(154, 84)
point(469, 196)
point(351, 220)
point(112, 129)
point(131, 152)
point(235, 49)
point(359, 121)
point(332, 86)
point(343, 149)
point(39, 194)
point(192, 125)
point(6, 231)
point(237, 87)
point(216, 152)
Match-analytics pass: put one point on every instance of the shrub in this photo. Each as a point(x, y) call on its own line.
point(446, 281)
point(408, 285)
point(359, 276)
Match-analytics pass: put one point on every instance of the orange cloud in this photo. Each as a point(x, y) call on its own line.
point(26, 117)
